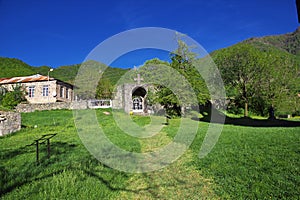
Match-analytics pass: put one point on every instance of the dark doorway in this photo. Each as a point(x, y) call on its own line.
point(138, 99)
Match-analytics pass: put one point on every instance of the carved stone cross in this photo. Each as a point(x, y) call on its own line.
point(138, 79)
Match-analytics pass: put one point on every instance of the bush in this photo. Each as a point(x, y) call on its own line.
point(9, 101)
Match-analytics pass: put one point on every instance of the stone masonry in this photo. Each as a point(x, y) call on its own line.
point(25, 108)
point(124, 94)
point(10, 122)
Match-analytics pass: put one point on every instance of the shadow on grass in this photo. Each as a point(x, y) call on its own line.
point(61, 154)
point(29, 172)
point(28, 169)
point(247, 121)
point(109, 184)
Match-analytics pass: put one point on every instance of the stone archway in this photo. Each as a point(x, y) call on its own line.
point(125, 94)
point(138, 99)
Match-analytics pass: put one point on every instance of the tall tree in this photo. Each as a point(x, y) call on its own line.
point(183, 86)
point(259, 79)
point(184, 60)
point(104, 89)
point(171, 90)
point(239, 66)
point(278, 81)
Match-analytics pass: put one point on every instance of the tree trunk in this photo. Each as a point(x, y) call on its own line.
point(246, 109)
point(271, 112)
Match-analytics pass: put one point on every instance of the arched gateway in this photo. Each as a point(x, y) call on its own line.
point(132, 97)
point(139, 99)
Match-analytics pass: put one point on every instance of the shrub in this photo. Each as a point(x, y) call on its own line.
point(11, 99)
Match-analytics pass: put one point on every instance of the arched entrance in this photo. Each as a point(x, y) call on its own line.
point(138, 99)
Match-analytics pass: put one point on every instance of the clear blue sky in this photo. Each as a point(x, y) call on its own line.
point(58, 32)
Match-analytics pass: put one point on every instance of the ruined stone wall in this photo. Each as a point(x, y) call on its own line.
point(123, 96)
point(10, 122)
point(52, 106)
point(117, 102)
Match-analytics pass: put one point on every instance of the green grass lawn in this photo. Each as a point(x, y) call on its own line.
point(246, 163)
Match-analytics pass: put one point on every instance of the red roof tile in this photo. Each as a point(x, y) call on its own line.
point(25, 79)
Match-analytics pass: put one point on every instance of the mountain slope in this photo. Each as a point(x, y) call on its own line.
point(289, 42)
point(12, 67)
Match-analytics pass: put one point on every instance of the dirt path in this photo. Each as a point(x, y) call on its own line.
point(176, 181)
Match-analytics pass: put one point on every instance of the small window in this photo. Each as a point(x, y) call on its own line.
point(61, 91)
point(45, 90)
point(31, 90)
point(67, 93)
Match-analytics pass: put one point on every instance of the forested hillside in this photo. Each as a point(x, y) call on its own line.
point(289, 42)
point(258, 73)
point(12, 67)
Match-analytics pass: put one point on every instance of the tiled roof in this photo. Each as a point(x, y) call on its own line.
point(24, 79)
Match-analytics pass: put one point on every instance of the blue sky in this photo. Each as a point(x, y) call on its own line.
point(57, 33)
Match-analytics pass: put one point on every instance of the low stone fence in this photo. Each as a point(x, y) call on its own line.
point(24, 108)
point(10, 122)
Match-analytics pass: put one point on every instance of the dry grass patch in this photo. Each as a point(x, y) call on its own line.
point(176, 181)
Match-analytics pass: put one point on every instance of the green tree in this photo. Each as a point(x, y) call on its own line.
point(258, 79)
point(184, 60)
point(166, 98)
point(12, 98)
point(168, 83)
point(181, 85)
point(278, 82)
point(9, 101)
point(239, 66)
point(104, 89)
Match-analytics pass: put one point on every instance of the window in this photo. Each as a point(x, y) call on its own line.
point(61, 91)
point(45, 90)
point(67, 93)
point(31, 91)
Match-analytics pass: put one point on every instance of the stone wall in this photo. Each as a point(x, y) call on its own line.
point(51, 106)
point(117, 102)
point(123, 95)
point(10, 122)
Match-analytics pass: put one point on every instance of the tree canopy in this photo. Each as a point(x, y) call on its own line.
point(258, 79)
